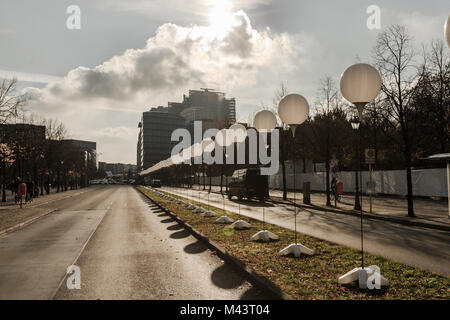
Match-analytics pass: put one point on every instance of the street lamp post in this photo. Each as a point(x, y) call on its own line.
point(222, 139)
point(265, 121)
point(360, 84)
point(355, 122)
point(207, 146)
point(293, 110)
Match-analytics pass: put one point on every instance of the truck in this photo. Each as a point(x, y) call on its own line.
point(249, 184)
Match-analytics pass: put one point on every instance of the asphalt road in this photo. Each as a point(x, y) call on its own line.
point(125, 249)
point(428, 249)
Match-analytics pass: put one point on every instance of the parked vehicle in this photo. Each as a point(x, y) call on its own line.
point(248, 183)
point(156, 183)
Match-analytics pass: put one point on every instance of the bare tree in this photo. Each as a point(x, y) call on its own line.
point(439, 67)
point(10, 102)
point(327, 102)
point(54, 128)
point(280, 93)
point(394, 57)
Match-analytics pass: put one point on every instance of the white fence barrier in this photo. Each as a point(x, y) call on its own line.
point(426, 182)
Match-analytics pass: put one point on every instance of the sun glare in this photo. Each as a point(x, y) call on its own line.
point(220, 17)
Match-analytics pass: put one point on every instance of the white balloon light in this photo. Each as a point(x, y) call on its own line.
point(196, 150)
point(360, 84)
point(447, 31)
point(238, 133)
point(178, 158)
point(207, 145)
point(293, 109)
point(187, 154)
point(222, 138)
point(265, 121)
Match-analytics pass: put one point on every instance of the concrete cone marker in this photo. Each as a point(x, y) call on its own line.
point(265, 236)
point(240, 225)
point(224, 220)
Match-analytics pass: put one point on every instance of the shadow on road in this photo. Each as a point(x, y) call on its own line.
point(175, 227)
point(254, 294)
point(170, 220)
point(180, 234)
point(195, 248)
point(226, 277)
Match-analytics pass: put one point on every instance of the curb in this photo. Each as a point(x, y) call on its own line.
point(25, 223)
point(261, 282)
point(372, 216)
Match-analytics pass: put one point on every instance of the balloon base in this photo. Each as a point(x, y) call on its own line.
point(265, 236)
point(224, 220)
point(208, 214)
point(240, 225)
point(296, 250)
point(365, 277)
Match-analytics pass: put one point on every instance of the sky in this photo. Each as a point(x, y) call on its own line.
point(131, 55)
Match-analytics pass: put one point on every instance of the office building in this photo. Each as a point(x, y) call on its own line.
point(210, 107)
point(154, 140)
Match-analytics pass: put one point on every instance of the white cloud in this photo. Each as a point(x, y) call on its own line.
point(235, 58)
point(420, 26)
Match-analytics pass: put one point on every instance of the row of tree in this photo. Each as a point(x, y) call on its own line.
point(409, 120)
point(35, 149)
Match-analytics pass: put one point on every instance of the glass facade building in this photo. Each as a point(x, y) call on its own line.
point(156, 127)
point(154, 140)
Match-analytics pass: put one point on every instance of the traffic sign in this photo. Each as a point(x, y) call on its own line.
point(370, 156)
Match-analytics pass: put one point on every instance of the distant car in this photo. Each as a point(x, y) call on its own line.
point(156, 183)
point(248, 183)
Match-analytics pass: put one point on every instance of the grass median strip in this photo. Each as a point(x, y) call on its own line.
point(309, 277)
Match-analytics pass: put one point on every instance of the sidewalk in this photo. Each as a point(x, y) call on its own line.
point(53, 196)
point(429, 213)
point(12, 217)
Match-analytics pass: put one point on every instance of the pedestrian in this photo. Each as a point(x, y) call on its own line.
point(30, 190)
point(15, 189)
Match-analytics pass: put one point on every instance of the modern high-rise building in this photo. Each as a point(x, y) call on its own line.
point(210, 107)
point(154, 140)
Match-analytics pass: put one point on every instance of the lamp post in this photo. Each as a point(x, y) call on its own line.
point(355, 125)
point(265, 122)
point(207, 146)
point(293, 110)
point(360, 84)
point(239, 134)
point(224, 138)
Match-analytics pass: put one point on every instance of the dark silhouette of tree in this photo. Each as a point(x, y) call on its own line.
point(394, 58)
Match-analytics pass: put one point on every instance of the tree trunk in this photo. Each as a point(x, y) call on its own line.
point(204, 178)
point(409, 186)
point(3, 182)
point(327, 166)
